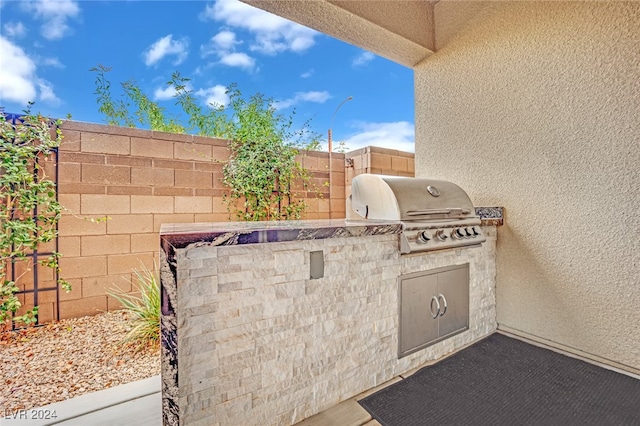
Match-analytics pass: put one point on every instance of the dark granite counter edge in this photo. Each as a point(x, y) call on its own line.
point(234, 233)
point(491, 216)
point(272, 233)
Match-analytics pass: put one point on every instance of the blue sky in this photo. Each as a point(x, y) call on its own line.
point(47, 48)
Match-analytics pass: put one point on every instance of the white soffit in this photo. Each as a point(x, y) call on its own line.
point(399, 30)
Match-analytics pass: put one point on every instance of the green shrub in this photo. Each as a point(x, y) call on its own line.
point(29, 209)
point(265, 180)
point(143, 310)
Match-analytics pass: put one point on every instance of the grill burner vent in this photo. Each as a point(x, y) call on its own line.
point(435, 214)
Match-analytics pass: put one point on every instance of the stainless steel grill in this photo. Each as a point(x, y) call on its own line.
point(435, 214)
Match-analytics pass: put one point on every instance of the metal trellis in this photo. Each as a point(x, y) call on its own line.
point(36, 255)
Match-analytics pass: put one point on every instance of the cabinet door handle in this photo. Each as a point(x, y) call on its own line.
point(434, 316)
point(444, 304)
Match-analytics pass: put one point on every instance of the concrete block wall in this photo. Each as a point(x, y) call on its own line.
point(378, 161)
point(140, 179)
point(328, 181)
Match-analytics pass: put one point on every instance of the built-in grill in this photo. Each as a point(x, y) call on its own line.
point(435, 214)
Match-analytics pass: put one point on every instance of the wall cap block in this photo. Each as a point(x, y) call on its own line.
point(103, 128)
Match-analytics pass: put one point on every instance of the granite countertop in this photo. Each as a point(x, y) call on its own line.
point(491, 216)
point(181, 235)
point(235, 233)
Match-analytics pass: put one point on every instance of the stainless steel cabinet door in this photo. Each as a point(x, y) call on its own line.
point(417, 326)
point(434, 305)
point(453, 290)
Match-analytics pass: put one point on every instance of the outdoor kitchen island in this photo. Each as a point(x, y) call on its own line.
point(269, 323)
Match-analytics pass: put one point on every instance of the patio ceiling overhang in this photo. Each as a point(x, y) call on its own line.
point(400, 30)
point(404, 31)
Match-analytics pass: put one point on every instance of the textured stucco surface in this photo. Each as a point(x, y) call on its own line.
point(397, 30)
point(535, 107)
point(412, 19)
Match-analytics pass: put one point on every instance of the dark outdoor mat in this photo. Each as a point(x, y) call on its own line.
point(504, 381)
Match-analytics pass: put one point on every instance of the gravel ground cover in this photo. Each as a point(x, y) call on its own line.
point(62, 360)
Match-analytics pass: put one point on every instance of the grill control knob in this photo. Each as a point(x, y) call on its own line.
point(469, 232)
point(475, 231)
point(441, 235)
point(458, 233)
point(424, 237)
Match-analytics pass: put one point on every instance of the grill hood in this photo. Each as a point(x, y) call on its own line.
point(377, 197)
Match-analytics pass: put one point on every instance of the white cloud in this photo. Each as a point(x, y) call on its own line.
point(164, 93)
point(166, 46)
point(313, 96)
point(16, 74)
point(236, 59)
point(215, 95)
point(398, 135)
point(46, 92)
point(272, 34)
point(14, 29)
point(225, 40)
point(55, 14)
point(307, 74)
point(363, 59)
point(53, 62)
point(19, 81)
point(223, 45)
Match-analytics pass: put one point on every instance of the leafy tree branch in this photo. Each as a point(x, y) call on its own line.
point(261, 171)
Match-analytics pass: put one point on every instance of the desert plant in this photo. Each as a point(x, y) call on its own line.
point(29, 210)
point(262, 170)
point(261, 173)
point(147, 112)
point(143, 310)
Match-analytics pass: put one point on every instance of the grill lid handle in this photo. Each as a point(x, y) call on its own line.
point(455, 211)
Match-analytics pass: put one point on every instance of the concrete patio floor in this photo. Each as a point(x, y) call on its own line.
point(140, 403)
point(136, 403)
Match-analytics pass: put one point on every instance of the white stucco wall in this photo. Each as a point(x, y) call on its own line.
point(536, 107)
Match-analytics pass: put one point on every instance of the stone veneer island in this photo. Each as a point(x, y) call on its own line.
point(248, 337)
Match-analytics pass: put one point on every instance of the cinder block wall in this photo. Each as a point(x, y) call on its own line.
point(378, 161)
point(141, 179)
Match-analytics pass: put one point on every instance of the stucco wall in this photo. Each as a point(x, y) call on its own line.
point(535, 106)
